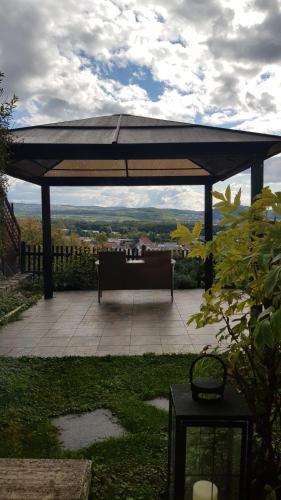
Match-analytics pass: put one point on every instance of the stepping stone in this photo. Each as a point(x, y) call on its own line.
point(160, 403)
point(30, 479)
point(81, 430)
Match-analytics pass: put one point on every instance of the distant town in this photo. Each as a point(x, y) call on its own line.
point(108, 227)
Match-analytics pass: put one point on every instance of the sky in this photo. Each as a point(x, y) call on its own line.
point(210, 62)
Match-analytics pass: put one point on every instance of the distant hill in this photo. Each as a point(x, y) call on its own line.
point(114, 214)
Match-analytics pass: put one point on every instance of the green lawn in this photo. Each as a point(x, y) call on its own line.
point(132, 467)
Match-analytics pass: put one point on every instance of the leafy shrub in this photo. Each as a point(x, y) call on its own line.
point(11, 299)
point(77, 274)
point(245, 300)
point(189, 273)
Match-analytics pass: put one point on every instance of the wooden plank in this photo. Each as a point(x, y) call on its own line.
point(33, 479)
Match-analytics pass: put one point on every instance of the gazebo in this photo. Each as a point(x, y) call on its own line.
point(127, 150)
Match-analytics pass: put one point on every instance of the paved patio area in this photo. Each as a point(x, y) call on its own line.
point(126, 322)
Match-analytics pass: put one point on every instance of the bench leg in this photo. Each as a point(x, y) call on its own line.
point(99, 294)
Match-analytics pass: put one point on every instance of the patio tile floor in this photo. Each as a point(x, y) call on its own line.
point(126, 322)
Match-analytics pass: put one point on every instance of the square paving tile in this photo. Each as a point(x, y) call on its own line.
point(81, 430)
point(47, 352)
point(5, 350)
point(146, 330)
point(117, 332)
point(60, 333)
point(175, 339)
point(126, 322)
point(53, 342)
point(18, 352)
point(26, 342)
point(80, 351)
point(138, 340)
point(121, 340)
point(177, 349)
point(202, 339)
point(143, 349)
point(113, 350)
point(84, 341)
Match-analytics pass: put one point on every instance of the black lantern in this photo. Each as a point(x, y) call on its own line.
point(210, 432)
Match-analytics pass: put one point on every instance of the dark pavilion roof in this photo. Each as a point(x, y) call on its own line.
point(134, 150)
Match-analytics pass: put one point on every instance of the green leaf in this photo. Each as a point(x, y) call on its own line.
point(272, 280)
point(219, 204)
point(218, 195)
point(228, 193)
point(275, 324)
point(196, 230)
point(277, 258)
point(265, 312)
point(237, 199)
point(264, 334)
point(182, 233)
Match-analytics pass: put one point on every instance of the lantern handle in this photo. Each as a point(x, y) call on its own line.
point(218, 358)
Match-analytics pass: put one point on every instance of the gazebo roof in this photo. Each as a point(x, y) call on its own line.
point(134, 150)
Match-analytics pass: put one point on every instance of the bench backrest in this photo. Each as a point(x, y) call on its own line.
point(112, 259)
point(157, 258)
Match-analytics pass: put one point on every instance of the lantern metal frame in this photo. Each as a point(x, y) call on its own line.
point(207, 385)
point(230, 412)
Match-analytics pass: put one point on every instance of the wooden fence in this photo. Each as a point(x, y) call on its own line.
point(32, 256)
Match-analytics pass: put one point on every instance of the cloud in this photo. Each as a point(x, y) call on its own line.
point(215, 62)
point(168, 196)
point(272, 170)
point(201, 54)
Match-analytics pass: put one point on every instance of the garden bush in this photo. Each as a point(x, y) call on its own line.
point(11, 299)
point(246, 299)
point(77, 274)
point(189, 273)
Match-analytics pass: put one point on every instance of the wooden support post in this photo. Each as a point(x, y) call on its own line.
point(47, 243)
point(208, 223)
point(256, 180)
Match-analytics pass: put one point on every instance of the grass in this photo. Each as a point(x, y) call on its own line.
point(131, 467)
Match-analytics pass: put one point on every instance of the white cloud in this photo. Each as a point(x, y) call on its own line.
point(202, 52)
point(168, 196)
point(217, 61)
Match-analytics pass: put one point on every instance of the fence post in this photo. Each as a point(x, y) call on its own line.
point(22, 257)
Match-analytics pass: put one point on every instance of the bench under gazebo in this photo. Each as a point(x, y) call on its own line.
point(127, 150)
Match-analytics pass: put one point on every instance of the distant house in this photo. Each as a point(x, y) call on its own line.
point(119, 243)
point(169, 245)
point(144, 241)
point(111, 244)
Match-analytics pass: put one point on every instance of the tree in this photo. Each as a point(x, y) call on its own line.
point(245, 300)
point(100, 239)
point(31, 233)
point(6, 110)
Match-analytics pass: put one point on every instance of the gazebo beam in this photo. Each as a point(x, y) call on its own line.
point(256, 180)
point(47, 242)
point(127, 181)
point(147, 150)
point(208, 223)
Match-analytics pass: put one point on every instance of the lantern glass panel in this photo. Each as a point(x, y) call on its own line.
point(213, 454)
